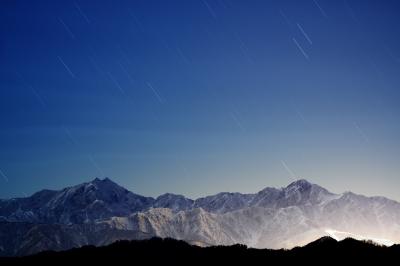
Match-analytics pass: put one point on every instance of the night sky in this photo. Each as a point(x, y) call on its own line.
point(197, 97)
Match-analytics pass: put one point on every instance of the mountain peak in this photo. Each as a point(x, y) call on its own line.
point(325, 241)
point(104, 180)
point(105, 183)
point(303, 183)
point(302, 192)
point(173, 201)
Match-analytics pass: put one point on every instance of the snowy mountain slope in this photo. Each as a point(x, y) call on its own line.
point(173, 202)
point(283, 227)
point(272, 218)
point(374, 216)
point(298, 193)
point(224, 202)
point(192, 225)
point(101, 199)
point(83, 203)
point(252, 226)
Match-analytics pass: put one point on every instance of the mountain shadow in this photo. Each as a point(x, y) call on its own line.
point(157, 251)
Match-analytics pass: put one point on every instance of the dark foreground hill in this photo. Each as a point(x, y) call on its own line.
point(173, 252)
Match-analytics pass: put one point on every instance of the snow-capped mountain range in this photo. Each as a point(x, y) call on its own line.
point(100, 212)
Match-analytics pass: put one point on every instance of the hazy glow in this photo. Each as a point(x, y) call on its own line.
point(340, 235)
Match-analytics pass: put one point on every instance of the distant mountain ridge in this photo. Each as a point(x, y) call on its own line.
point(83, 203)
point(272, 218)
point(102, 198)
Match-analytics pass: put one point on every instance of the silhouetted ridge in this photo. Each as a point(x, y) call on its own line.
point(326, 240)
point(168, 251)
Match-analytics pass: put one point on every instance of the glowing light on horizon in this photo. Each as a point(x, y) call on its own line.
point(340, 235)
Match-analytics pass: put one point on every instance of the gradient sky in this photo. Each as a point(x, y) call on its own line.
point(197, 97)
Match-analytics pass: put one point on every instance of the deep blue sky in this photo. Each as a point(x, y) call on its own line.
point(197, 97)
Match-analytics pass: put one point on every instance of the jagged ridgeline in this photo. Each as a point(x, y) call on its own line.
point(101, 212)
